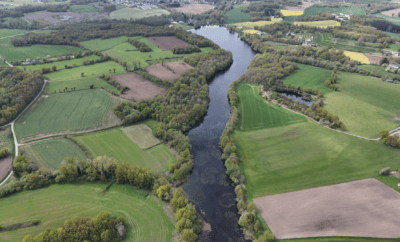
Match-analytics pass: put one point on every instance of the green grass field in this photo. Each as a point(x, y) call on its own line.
point(84, 9)
point(135, 13)
point(89, 71)
point(103, 44)
point(394, 20)
point(61, 64)
point(236, 16)
point(144, 216)
point(114, 143)
point(11, 53)
point(310, 76)
point(6, 141)
point(79, 84)
point(119, 52)
point(10, 32)
point(313, 10)
point(51, 152)
point(326, 39)
point(72, 111)
point(378, 69)
point(255, 112)
point(306, 155)
point(141, 135)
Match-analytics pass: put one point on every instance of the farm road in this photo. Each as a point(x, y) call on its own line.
point(16, 145)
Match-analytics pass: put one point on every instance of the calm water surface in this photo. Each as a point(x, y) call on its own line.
point(208, 187)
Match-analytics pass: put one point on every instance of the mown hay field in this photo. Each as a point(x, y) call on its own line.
point(357, 57)
point(255, 112)
point(136, 13)
point(79, 84)
point(89, 70)
point(114, 143)
point(61, 64)
point(258, 23)
point(320, 24)
point(104, 44)
point(313, 10)
point(71, 111)
point(141, 135)
point(235, 15)
point(310, 76)
point(144, 215)
point(51, 152)
point(11, 53)
point(291, 13)
point(305, 155)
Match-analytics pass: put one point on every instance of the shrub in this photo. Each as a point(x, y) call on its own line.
point(385, 171)
point(3, 153)
point(35, 222)
point(188, 236)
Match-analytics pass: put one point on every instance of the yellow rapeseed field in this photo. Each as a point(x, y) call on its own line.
point(250, 31)
point(320, 24)
point(291, 13)
point(357, 56)
point(258, 23)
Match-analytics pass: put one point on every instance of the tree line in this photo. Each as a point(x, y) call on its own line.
point(185, 49)
point(19, 88)
point(141, 46)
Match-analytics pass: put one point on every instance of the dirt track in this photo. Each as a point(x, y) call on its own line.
point(139, 87)
point(167, 43)
point(5, 167)
point(164, 71)
point(365, 208)
point(195, 8)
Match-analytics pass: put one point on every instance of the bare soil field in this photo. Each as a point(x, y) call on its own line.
point(365, 208)
point(5, 167)
point(52, 17)
point(374, 59)
point(303, 6)
point(167, 43)
point(195, 8)
point(140, 88)
point(391, 13)
point(164, 71)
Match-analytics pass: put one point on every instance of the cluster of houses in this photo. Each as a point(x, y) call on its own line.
point(46, 59)
point(308, 42)
point(342, 16)
point(129, 3)
point(66, 17)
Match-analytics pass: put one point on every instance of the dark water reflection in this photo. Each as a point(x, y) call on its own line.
point(297, 98)
point(208, 187)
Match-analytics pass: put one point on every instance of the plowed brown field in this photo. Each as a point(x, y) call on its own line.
point(164, 71)
point(167, 43)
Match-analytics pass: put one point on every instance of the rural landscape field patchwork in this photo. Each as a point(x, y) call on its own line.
point(199, 121)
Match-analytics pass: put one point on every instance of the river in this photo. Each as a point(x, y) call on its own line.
point(208, 187)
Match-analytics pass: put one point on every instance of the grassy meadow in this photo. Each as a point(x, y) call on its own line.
point(326, 39)
point(378, 69)
point(395, 20)
point(60, 65)
point(306, 155)
point(84, 9)
point(114, 143)
point(5, 140)
point(144, 216)
point(235, 15)
point(71, 111)
point(136, 13)
point(320, 24)
point(313, 10)
point(89, 70)
point(142, 135)
point(11, 53)
point(255, 112)
point(51, 152)
point(79, 84)
point(310, 76)
point(103, 44)
point(10, 32)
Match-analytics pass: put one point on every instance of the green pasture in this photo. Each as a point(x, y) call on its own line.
point(394, 35)
point(71, 111)
point(90, 70)
point(10, 32)
point(255, 112)
point(61, 64)
point(236, 16)
point(103, 44)
point(51, 152)
point(313, 10)
point(395, 20)
point(378, 69)
point(310, 76)
point(142, 135)
point(366, 105)
point(120, 52)
point(11, 53)
point(114, 143)
point(5, 140)
point(144, 215)
point(326, 39)
point(136, 13)
point(305, 155)
point(79, 84)
point(288, 19)
point(84, 9)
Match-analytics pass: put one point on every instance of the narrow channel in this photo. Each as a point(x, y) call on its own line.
point(208, 187)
